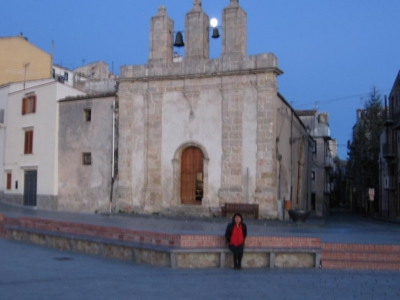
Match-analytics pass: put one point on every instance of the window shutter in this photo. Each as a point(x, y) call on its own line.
point(34, 103)
point(31, 142)
point(24, 106)
point(26, 143)
point(28, 149)
point(9, 181)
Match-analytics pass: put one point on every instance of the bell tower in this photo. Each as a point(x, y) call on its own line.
point(161, 37)
point(234, 28)
point(197, 37)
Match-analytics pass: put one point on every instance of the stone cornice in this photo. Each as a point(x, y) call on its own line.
point(277, 71)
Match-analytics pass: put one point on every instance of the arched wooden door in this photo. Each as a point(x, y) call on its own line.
point(192, 176)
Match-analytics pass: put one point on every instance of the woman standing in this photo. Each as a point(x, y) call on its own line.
point(235, 235)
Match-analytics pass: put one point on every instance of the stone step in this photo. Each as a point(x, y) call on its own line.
point(361, 256)
point(360, 247)
point(359, 265)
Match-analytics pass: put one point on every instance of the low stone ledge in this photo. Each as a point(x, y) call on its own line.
point(168, 256)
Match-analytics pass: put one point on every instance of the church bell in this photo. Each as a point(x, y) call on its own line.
point(215, 33)
point(179, 40)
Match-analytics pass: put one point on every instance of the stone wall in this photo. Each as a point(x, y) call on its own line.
point(85, 188)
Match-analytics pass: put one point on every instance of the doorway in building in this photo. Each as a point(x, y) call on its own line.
point(30, 188)
point(192, 185)
point(313, 201)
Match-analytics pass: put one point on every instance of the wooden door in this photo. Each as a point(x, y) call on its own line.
point(30, 188)
point(192, 176)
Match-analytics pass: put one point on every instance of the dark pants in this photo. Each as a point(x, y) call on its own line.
point(237, 255)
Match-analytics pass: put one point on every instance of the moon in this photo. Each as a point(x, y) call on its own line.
point(214, 22)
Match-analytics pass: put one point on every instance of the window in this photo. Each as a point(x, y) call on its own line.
point(66, 76)
point(314, 147)
point(9, 178)
point(87, 114)
point(29, 105)
point(28, 148)
point(313, 175)
point(1, 116)
point(87, 159)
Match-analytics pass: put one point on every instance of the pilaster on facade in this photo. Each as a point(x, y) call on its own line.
point(232, 141)
point(125, 144)
point(266, 190)
point(153, 189)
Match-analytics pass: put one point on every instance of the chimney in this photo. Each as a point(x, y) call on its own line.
point(234, 28)
point(197, 41)
point(161, 37)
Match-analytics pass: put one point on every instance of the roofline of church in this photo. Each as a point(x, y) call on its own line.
point(202, 75)
point(292, 109)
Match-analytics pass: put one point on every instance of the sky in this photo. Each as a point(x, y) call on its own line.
point(332, 52)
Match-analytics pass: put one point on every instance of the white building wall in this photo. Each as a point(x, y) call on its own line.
point(44, 158)
point(4, 91)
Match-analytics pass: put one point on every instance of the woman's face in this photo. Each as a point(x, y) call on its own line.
point(238, 219)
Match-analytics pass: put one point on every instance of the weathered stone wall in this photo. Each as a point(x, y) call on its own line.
point(234, 37)
point(161, 37)
point(16, 199)
point(196, 33)
point(294, 151)
point(85, 188)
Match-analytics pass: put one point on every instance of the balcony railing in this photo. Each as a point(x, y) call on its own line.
point(388, 150)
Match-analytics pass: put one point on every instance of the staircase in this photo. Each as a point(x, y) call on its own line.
point(360, 256)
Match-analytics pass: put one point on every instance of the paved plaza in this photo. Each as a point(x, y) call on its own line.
point(36, 273)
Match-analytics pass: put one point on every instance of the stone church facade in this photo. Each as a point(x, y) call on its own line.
point(201, 132)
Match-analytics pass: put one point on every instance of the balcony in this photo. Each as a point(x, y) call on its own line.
point(328, 163)
point(389, 183)
point(387, 117)
point(323, 131)
point(388, 151)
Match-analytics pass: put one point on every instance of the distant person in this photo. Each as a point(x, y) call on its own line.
point(235, 235)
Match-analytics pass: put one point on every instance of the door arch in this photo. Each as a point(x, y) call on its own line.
point(192, 176)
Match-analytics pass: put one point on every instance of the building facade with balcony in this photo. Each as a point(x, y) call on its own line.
point(389, 162)
point(323, 160)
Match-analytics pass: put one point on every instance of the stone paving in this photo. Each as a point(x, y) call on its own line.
point(30, 272)
point(341, 226)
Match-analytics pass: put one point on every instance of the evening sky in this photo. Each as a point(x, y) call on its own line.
point(332, 52)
